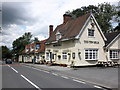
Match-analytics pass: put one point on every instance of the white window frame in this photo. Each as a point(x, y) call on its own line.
point(58, 35)
point(27, 49)
point(64, 55)
point(92, 54)
point(47, 56)
point(73, 55)
point(36, 47)
point(91, 32)
point(38, 57)
point(114, 54)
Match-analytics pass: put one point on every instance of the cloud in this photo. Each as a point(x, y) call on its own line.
point(15, 13)
point(36, 16)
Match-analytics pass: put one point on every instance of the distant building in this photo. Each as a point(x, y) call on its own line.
point(76, 42)
point(33, 52)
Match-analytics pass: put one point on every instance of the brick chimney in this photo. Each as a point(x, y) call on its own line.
point(50, 30)
point(66, 18)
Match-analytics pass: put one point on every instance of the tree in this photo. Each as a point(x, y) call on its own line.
point(6, 53)
point(117, 18)
point(103, 13)
point(35, 39)
point(19, 44)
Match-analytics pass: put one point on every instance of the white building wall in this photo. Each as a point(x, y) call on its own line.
point(20, 58)
point(76, 46)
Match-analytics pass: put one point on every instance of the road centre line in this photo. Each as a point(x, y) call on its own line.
point(64, 77)
point(78, 81)
point(46, 71)
point(97, 86)
point(29, 81)
point(9, 66)
point(38, 69)
point(14, 70)
point(55, 74)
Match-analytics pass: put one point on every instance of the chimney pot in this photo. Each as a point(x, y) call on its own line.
point(66, 18)
point(50, 30)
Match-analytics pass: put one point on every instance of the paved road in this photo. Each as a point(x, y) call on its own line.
point(105, 77)
point(19, 76)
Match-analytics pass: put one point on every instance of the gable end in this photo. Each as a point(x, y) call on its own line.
point(86, 25)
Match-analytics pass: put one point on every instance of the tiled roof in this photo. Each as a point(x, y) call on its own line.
point(42, 46)
point(27, 46)
point(69, 29)
point(41, 49)
point(110, 37)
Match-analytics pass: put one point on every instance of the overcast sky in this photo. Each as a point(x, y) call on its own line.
point(35, 16)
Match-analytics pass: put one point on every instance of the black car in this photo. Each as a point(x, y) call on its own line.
point(8, 61)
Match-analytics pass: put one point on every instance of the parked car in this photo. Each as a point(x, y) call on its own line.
point(8, 61)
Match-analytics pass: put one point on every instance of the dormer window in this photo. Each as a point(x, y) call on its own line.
point(27, 49)
point(37, 46)
point(91, 33)
point(58, 35)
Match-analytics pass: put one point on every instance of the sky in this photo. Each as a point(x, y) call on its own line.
point(35, 16)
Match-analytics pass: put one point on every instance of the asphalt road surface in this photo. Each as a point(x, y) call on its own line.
point(20, 76)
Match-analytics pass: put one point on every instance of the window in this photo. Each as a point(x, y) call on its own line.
point(27, 49)
point(114, 54)
point(47, 56)
point(64, 55)
point(58, 35)
point(53, 56)
point(37, 46)
point(37, 56)
point(91, 54)
point(73, 55)
point(91, 32)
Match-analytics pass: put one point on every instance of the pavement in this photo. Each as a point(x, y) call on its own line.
point(104, 77)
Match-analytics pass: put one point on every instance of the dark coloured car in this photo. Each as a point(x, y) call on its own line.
point(8, 61)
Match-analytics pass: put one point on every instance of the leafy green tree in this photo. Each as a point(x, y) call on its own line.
point(103, 13)
point(19, 44)
point(35, 39)
point(117, 18)
point(6, 53)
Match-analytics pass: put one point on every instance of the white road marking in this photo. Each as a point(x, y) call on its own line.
point(64, 77)
point(78, 81)
point(97, 86)
point(55, 74)
point(9, 66)
point(27, 66)
point(30, 82)
point(46, 71)
point(14, 70)
point(36, 69)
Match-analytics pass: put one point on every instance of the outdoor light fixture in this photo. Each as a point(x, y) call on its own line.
point(79, 52)
point(92, 24)
point(68, 53)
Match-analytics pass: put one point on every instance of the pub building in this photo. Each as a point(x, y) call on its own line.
point(80, 42)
